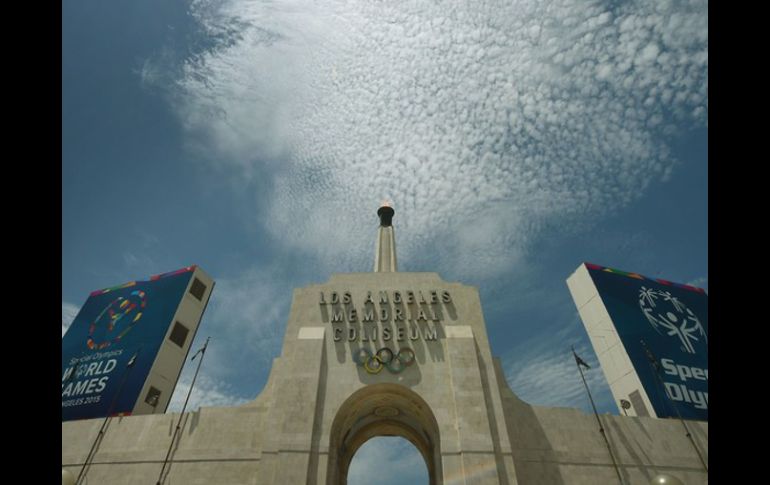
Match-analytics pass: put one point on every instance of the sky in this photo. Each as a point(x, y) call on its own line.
point(256, 139)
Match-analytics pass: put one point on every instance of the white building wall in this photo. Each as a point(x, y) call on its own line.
point(170, 358)
point(613, 358)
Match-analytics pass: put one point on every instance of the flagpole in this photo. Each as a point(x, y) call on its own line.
point(189, 392)
point(656, 371)
point(578, 361)
point(103, 429)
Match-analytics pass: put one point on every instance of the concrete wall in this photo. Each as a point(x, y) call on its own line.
point(168, 362)
point(217, 445)
point(453, 402)
point(564, 446)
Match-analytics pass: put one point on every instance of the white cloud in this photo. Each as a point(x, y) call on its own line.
point(207, 392)
point(139, 263)
point(480, 121)
point(543, 372)
point(246, 320)
point(702, 282)
point(68, 314)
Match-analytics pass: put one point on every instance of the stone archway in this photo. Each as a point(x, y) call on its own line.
point(383, 410)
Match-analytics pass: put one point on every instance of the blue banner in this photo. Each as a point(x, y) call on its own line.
point(111, 345)
point(672, 321)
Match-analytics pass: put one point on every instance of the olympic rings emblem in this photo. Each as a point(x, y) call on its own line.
point(384, 358)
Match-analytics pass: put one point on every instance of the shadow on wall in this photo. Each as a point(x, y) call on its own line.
point(423, 336)
point(619, 442)
point(502, 471)
point(632, 437)
point(525, 433)
point(642, 447)
point(315, 444)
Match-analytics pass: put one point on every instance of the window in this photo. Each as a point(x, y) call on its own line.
point(639, 407)
point(179, 334)
point(197, 289)
point(153, 396)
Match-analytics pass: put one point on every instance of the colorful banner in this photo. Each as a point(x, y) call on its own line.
point(671, 319)
point(111, 345)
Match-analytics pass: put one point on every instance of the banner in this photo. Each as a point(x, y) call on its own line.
point(672, 320)
point(113, 327)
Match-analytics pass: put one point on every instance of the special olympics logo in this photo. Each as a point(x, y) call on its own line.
point(116, 317)
point(668, 315)
point(395, 363)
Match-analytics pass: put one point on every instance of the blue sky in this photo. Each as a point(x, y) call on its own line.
point(516, 139)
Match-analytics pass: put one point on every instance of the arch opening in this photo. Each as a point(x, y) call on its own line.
point(383, 410)
point(387, 461)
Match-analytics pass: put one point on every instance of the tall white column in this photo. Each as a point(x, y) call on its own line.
point(385, 253)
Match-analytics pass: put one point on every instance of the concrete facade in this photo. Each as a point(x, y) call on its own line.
point(617, 367)
point(170, 359)
point(322, 402)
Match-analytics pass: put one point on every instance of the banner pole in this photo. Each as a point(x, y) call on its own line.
point(579, 362)
point(189, 392)
point(103, 429)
